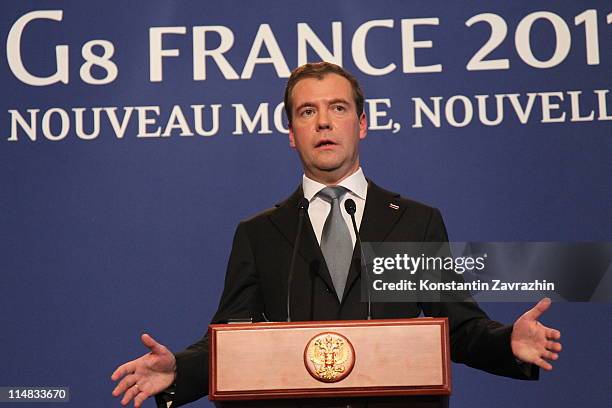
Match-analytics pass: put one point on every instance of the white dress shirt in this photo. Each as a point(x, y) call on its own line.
point(319, 209)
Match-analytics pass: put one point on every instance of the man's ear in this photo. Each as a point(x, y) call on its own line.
point(363, 126)
point(291, 137)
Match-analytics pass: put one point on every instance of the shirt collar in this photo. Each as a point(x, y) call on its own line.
point(356, 183)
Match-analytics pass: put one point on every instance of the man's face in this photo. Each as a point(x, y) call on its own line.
point(325, 128)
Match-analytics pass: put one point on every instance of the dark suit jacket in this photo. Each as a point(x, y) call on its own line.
point(256, 286)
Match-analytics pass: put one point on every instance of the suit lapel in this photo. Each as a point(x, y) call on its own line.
point(382, 211)
point(285, 218)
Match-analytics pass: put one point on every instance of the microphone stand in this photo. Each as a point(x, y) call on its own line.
point(351, 208)
point(302, 208)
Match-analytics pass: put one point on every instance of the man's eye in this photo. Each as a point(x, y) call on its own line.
point(307, 112)
point(339, 108)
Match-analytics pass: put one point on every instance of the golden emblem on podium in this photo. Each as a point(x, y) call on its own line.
point(329, 357)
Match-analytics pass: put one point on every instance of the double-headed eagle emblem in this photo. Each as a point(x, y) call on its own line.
point(329, 357)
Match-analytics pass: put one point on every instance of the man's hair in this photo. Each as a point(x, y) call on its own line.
point(319, 70)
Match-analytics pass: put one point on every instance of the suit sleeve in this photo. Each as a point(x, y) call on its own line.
point(241, 298)
point(476, 340)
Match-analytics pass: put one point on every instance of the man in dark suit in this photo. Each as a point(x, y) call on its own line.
point(324, 105)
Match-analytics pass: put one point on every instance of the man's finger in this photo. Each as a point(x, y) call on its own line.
point(123, 370)
point(543, 364)
point(129, 395)
point(553, 346)
point(549, 355)
point(538, 310)
point(140, 398)
point(126, 383)
point(553, 334)
point(150, 343)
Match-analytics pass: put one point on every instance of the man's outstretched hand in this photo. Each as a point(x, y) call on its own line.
point(147, 375)
point(531, 341)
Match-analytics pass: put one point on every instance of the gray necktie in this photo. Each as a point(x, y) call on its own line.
point(336, 242)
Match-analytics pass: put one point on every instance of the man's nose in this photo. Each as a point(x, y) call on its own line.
point(323, 121)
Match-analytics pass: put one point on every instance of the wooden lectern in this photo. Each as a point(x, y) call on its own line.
point(350, 358)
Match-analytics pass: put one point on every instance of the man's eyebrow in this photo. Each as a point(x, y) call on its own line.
point(339, 100)
point(304, 105)
point(331, 102)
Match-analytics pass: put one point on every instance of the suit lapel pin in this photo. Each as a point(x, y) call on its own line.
point(393, 206)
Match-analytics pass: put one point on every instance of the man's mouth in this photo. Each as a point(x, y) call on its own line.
point(325, 143)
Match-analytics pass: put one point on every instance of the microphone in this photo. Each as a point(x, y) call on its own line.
point(302, 206)
point(351, 208)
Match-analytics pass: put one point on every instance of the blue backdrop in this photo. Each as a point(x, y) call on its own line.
point(103, 237)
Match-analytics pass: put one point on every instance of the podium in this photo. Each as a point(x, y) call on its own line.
point(329, 359)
